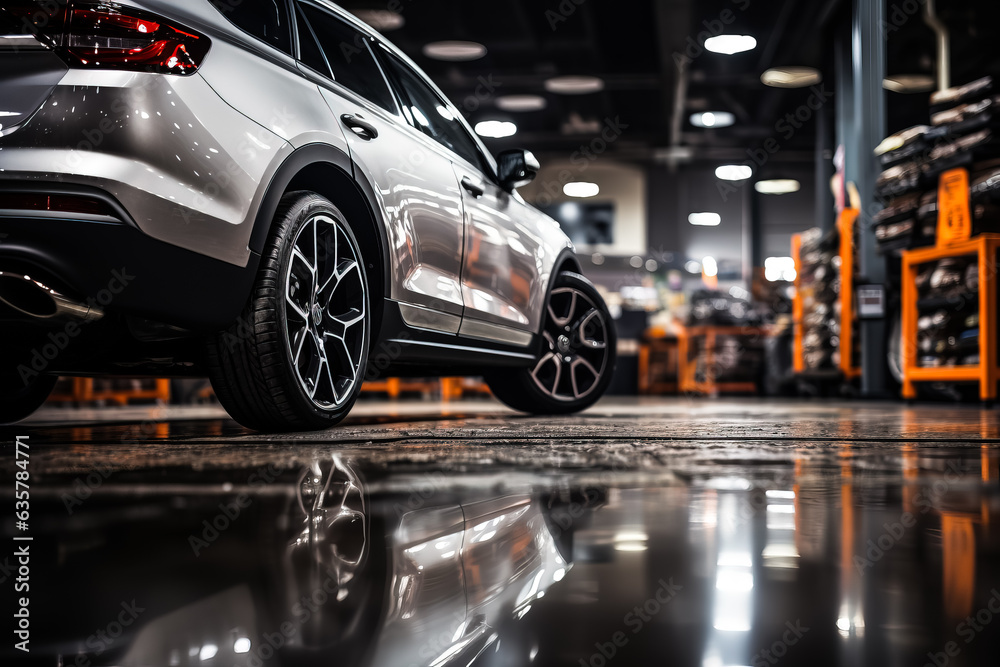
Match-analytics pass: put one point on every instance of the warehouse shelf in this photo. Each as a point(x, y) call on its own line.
point(984, 249)
point(693, 341)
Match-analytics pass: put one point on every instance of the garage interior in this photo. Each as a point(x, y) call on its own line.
point(792, 209)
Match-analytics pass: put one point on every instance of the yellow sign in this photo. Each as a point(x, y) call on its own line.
point(954, 209)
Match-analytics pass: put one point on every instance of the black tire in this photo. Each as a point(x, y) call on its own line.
point(20, 399)
point(555, 386)
point(252, 364)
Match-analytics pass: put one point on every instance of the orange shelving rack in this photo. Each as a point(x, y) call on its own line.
point(984, 248)
point(845, 225)
point(688, 358)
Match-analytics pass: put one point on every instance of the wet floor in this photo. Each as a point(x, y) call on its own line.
point(640, 533)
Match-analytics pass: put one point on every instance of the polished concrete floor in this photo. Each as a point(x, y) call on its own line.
point(643, 532)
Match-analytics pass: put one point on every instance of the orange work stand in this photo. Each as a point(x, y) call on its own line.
point(984, 247)
point(688, 370)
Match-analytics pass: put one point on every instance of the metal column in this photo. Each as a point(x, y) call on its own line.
point(862, 132)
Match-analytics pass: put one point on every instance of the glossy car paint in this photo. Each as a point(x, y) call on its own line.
point(191, 159)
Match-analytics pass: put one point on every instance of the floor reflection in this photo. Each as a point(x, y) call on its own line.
point(411, 553)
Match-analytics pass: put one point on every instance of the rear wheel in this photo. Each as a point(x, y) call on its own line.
point(296, 357)
point(21, 395)
point(577, 359)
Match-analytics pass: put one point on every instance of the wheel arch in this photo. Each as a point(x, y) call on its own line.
point(331, 173)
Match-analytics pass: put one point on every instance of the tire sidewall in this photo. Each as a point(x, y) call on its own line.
point(315, 206)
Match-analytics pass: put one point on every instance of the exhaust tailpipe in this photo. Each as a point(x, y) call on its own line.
point(34, 299)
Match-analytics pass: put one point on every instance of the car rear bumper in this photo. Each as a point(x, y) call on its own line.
point(106, 257)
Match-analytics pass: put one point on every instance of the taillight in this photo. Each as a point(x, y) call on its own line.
point(107, 35)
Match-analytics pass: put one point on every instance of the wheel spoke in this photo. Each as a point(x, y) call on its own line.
point(577, 363)
point(557, 361)
point(588, 342)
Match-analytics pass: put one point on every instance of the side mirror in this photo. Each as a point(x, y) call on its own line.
point(516, 168)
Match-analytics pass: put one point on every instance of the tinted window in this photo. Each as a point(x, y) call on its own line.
point(430, 114)
point(265, 19)
point(348, 54)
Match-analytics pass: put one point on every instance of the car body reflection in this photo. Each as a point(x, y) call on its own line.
point(308, 569)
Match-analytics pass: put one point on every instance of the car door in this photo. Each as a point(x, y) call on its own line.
point(414, 180)
point(500, 272)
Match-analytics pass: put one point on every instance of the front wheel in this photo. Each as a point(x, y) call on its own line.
point(577, 357)
point(296, 358)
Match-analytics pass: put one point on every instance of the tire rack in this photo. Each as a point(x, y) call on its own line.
point(688, 363)
point(984, 248)
point(83, 392)
point(845, 225)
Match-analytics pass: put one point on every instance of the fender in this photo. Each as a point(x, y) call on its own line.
point(312, 154)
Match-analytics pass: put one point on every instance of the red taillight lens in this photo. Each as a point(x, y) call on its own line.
point(109, 36)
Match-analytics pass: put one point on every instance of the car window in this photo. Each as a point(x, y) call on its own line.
point(266, 20)
point(427, 112)
point(347, 53)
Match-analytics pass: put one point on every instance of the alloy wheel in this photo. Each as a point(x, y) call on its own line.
point(326, 316)
point(576, 346)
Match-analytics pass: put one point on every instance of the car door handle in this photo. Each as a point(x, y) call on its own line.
point(360, 126)
point(475, 189)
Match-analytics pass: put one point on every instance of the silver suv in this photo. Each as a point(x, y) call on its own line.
point(269, 193)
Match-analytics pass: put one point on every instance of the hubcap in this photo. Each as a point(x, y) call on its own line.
point(325, 308)
point(576, 336)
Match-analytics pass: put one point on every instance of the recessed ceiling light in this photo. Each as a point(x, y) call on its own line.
point(455, 51)
point(733, 172)
point(711, 119)
point(581, 189)
point(705, 219)
point(791, 77)
point(730, 44)
point(909, 83)
point(710, 267)
point(382, 20)
point(574, 85)
point(521, 103)
point(496, 129)
point(778, 186)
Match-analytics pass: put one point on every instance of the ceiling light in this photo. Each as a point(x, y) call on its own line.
point(574, 85)
point(734, 172)
point(779, 186)
point(791, 77)
point(693, 267)
point(496, 129)
point(730, 44)
point(712, 119)
point(705, 219)
point(454, 51)
point(909, 83)
point(652, 265)
point(521, 103)
point(779, 268)
point(382, 20)
point(710, 267)
point(581, 189)
point(636, 262)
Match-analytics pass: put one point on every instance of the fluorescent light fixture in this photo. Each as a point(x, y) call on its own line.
point(574, 85)
point(778, 269)
point(733, 172)
point(454, 51)
point(521, 103)
point(496, 129)
point(382, 20)
point(581, 189)
point(710, 267)
point(241, 645)
point(712, 119)
point(909, 83)
point(730, 44)
point(705, 219)
point(791, 77)
point(778, 186)
point(208, 652)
